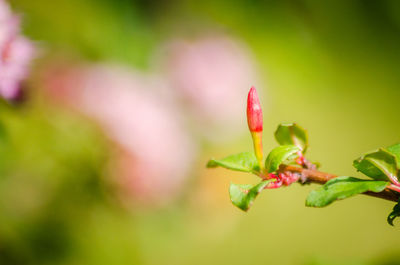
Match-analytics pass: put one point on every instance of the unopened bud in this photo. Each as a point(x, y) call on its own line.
point(255, 122)
point(254, 111)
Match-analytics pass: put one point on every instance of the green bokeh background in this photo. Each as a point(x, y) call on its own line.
point(331, 66)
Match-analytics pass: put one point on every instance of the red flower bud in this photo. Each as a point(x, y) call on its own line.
point(255, 122)
point(254, 111)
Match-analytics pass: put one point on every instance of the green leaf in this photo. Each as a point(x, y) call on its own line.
point(246, 162)
point(395, 150)
point(243, 196)
point(341, 188)
point(279, 155)
point(379, 165)
point(394, 214)
point(292, 134)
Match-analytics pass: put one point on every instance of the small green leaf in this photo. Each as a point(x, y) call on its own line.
point(341, 188)
point(379, 165)
point(292, 134)
point(395, 150)
point(243, 196)
point(246, 162)
point(394, 214)
point(279, 155)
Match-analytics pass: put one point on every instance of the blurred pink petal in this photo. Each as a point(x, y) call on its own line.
point(156, 150)
point(212, 75)
point(16, 52)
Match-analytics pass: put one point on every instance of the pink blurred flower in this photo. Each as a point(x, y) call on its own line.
point(156, 151)
point(16, 52)
point(212, 75)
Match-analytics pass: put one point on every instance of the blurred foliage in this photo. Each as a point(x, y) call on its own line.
point(332, 66)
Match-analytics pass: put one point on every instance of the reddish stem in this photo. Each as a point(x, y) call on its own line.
point(394, 187)
point(391, 193)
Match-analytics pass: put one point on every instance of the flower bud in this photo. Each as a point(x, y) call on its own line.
point(255, 122)
point(254, 111)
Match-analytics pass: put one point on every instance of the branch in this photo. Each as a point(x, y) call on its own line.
point(315, 176)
